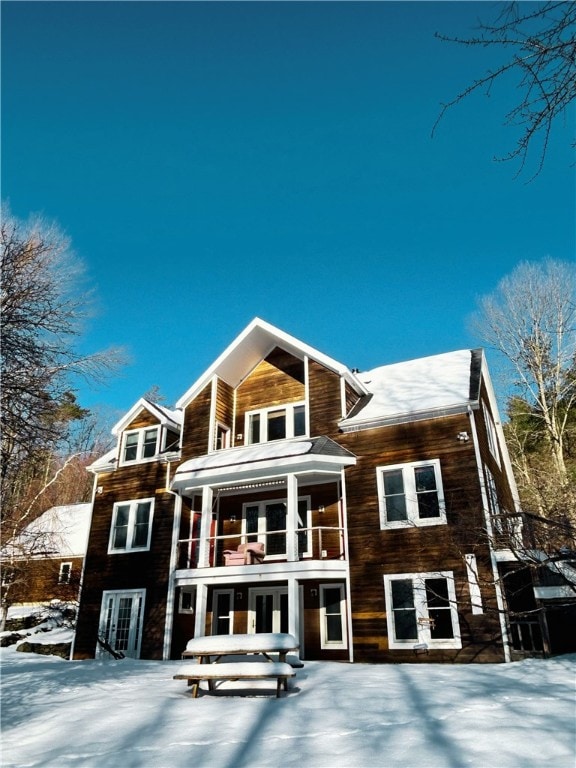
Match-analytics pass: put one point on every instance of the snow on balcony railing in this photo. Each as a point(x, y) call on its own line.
point(316, 543)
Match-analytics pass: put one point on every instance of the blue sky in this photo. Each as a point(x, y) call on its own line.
point(213, 162)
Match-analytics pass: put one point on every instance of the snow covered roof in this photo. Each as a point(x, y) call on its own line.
point(254, 344)
point(263, 458)
point(166, 416)
point(445, 383)
point(60, 531)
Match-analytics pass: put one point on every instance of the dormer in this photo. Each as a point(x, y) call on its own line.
point(146, 433)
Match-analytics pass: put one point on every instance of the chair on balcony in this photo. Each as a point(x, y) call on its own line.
point(246, 554)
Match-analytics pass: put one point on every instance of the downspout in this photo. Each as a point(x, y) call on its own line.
point(493, 561)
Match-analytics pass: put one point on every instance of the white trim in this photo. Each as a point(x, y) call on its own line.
point(136, 620)
point(474, 584)
point(69, 572)
point(324, 642)
point(140, 432)
point(263, 414)
point(506, 641)
point(410, 495)
point(276, 592)
point(133, 505)
point(422, 611)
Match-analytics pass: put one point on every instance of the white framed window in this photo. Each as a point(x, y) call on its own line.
point(223, 612)
point(140, 445)
point(221, 437)
point(411, 494)
point(131, 526)
point(265, 521)
point(332, 616)
point(276, 423)
point(491, 433)
point(421, 610)
point(187, 600)
point(65, 573)
point(121, 617)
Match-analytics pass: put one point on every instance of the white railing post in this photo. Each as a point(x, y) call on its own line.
point(291, 517)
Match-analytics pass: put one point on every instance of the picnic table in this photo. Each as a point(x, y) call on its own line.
point(208, 652)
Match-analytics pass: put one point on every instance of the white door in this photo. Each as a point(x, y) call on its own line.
point(268, 610)
point(121, 622)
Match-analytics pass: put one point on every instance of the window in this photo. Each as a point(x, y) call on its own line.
point(506, 526)
point(411, 494)
point(222, 437)
point(65, 573)
point(332, 616)
point(131, 526)
point(266, 521)
point(187, 600)
point(223, 612)
point(491, 433)
point(421, 609)
point(140, 444)
point(278, 423)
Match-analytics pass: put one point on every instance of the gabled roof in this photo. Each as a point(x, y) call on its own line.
point(446, 383)
point(252, 346)
point(59, 532)
point(165, 416)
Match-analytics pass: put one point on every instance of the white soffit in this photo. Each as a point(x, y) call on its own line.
point(253, 345)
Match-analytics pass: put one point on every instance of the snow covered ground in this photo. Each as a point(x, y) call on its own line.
point(132, 714)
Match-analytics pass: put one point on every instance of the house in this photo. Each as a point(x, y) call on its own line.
point(287, 492)
point(45, 562)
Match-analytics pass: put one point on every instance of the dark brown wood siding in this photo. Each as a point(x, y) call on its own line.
point(375, 552)
point(131, 570)
point(325, 400)
point(196, 427)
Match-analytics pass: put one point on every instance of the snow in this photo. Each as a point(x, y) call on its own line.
point(428, 383)
point(131, 713)
point(63, 530)
point(269, 641)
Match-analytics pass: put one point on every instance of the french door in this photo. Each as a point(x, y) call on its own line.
point(121, 622)
point(268, 610)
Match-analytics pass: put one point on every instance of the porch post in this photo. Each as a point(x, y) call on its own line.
point(200, 610)
point(293, 607)
point(205, 526)
point(291, 517)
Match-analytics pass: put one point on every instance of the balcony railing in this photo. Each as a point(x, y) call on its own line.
point(317, 543)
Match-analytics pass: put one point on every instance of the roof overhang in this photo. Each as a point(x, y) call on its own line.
point(254, 344)
point(264, 461)
point(165, 417)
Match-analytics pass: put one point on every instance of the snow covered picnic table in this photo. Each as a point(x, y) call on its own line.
point(203, 649)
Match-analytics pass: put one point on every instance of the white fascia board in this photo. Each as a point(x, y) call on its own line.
point(255, 342)
point(162, 414)
point(265, 470)
point(357, 424)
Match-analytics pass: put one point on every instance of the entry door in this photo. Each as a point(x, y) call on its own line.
point(268, 610)
point(121, 621)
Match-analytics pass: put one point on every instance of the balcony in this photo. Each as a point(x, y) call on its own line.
point(318, 543)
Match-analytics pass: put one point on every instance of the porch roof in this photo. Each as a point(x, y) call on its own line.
point(263, 460)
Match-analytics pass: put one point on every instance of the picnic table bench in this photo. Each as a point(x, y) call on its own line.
point(204, 649)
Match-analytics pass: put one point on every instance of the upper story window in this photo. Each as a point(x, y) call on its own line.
point(276, 423)
point(131, 526)
point(140, 444)
point(411, 494)
point(491, 433)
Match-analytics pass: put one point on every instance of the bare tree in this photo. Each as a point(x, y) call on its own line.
point(43, 306)
point(531, 320)
point(539, 40)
